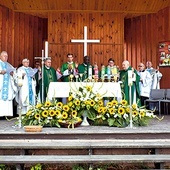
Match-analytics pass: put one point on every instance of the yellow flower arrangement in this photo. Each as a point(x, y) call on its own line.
point(118, 114)
point(86, 99)
point(50, 114)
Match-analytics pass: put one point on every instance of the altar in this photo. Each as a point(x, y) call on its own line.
point(62, 89)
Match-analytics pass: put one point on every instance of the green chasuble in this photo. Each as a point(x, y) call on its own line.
point(49, 76)
point(134, 87)
point(64, 67)
point(83, 69)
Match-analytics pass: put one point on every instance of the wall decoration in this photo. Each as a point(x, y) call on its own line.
point(164, 53)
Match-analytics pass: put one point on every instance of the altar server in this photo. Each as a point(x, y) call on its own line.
point(27, 86)
point(156, 75)
point(145, 83)
point(8, 88)
point(125, 85)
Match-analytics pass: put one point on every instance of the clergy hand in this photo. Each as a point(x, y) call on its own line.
point(11, 73)
point(23, 74)
point(70, 67)
point(2, 72)
point(141, 80)
point(76, 64)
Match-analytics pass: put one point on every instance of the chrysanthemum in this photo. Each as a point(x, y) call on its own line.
point(45, 113)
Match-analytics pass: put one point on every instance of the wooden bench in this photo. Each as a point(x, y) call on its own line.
point(83, 144)
point(74, 144)
point(84, 158)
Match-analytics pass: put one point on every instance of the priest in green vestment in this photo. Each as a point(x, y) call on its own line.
point(83, 68)
point(49, 75)
point(69, 68)
point(135, 91)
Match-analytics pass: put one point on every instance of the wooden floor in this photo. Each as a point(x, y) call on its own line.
point(155, 129)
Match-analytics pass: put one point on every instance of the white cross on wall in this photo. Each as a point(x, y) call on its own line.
point(85, 40)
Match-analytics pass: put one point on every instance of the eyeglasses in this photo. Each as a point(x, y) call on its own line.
point(140, 66)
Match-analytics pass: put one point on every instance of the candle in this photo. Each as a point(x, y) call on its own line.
point(42, 53)
point(46, 49)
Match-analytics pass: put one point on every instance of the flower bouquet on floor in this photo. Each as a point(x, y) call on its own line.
point(117, 114)
point(50, 114)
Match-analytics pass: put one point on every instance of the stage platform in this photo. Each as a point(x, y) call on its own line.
point(91, 144)
point(155, 129)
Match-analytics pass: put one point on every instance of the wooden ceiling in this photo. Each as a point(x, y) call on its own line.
point(130, 8)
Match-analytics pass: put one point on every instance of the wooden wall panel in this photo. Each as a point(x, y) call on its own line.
point(20, 34)
point(142, 35)
point(108, 27)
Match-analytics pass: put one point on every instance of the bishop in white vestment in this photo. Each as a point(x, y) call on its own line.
point(8, 88)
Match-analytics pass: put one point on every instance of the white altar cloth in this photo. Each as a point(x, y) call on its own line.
point(62, 89)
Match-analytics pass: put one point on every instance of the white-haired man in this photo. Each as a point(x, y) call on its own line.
point(125, 85)
point(27, 86)
point(8, 88)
